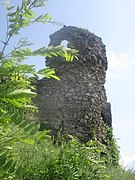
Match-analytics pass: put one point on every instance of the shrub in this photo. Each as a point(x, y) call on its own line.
point(16, 90)
point(71, 160)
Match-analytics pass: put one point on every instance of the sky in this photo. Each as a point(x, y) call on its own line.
point(113, 21)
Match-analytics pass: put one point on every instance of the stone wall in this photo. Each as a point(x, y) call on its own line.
point(77, 104)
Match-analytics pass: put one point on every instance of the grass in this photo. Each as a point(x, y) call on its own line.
point(118, 173)
point(68, 161)
point(53, 162)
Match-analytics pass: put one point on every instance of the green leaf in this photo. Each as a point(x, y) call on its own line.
point(38, 18)
point(1, 55)
point(54, 53)
point(6, 2)
point(28, 140)
point(14, 115)
point(35, 129)
point(29, 127)
point(17, 119)
point(28, 13)
point(28, 50)
point(15, 31)
point(43, 18)
point(11, 14)
point(8, 165)
point(23, 124)
point(55, 77)
point(12, 167)
point(47, 55)
point(22, 51)
point(21, 93)
point(3, 159)
point(47, 17)
point(71, 58)
point(9, 8)
point(12, 19)
point(41, 135)
point(47, 72)
point(18, 170)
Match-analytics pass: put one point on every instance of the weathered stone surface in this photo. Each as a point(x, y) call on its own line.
point(77, 103)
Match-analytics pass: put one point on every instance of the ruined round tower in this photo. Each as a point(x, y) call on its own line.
point(77, 104)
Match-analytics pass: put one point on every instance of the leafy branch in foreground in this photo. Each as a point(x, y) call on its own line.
point(21, 16)
point(16, 90)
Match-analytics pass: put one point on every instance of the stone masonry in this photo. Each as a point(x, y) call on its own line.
point(77, 104)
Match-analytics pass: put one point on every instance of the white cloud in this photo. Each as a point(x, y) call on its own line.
point(128, 162)
point(119, 64)
point(119, 61)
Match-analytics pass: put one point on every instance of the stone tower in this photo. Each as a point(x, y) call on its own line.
point(77, 104)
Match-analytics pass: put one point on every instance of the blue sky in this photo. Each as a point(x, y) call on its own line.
point(113, 21)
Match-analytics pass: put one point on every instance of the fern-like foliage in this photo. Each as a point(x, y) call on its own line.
point(16, 90)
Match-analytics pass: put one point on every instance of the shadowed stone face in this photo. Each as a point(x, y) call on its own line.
point(77, 104)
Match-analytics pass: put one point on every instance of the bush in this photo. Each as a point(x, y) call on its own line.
point(71, 160)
